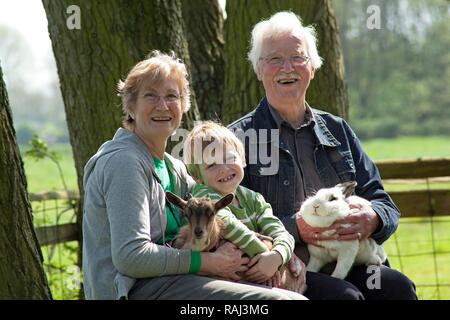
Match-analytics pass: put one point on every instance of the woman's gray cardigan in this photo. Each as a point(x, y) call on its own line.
point(124, 216)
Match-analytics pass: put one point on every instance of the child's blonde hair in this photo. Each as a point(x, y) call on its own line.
point(202, 135)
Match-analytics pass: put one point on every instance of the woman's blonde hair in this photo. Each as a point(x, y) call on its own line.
point(154, 70)
point(203, 134)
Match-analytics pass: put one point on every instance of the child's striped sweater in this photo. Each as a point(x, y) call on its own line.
point(254, 214)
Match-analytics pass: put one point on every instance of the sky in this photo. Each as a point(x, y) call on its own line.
point(28, 18)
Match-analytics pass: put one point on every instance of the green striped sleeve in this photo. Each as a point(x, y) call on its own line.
point(236, 231)
point(270, 225)
point(239, 234)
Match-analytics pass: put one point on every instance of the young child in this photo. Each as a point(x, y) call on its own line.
point(215, 157)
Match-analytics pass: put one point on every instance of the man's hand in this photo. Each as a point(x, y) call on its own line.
point(311, 235)
point(363, 221)
point(359, 224)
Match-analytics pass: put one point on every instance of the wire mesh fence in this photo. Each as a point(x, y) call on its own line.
point(421, 249)
point(54, 218)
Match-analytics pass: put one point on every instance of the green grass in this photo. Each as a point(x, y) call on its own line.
point(407, 148)
point(412, 239)
point(42, 174)
point(60, 265)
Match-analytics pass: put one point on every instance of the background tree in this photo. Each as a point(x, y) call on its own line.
point(242, 89)
point(401, 68)
point(204, 33)
point(21, 270)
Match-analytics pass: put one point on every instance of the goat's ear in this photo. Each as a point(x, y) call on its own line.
point(176, 200)
point(347, 188)
point(223, 202)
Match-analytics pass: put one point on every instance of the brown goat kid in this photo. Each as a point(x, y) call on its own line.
point(204, 231)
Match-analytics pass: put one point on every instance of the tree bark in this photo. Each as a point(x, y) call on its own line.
point(242, 91)
point(204, 33)
point(22, 274)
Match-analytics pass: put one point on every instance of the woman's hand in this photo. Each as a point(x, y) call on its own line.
point(263, 266)
point(224, 263)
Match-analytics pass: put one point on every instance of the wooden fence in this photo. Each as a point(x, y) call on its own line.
point(429, 201)
point(55, 234)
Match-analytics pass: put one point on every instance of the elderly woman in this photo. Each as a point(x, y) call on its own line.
point(316, 150)
point(127, 222)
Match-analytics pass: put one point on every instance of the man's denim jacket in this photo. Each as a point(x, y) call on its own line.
point(338, 156)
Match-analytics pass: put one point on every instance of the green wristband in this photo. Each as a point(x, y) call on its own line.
point(196, 262)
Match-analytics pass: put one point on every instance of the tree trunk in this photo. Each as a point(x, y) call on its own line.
point(242, 91)
point(204, 32)
point(113, 36)
point(22, 274)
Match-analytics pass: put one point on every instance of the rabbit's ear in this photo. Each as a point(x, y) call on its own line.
point(347, 188)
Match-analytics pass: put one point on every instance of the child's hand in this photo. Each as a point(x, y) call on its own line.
point(263, 266)
point(275, 281)
point(268, 243)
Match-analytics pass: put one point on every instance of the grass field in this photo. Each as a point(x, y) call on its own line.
point(413, 239)
point(42, 175)
point(408, 148)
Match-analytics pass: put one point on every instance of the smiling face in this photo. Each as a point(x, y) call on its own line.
point(285, 84)
point(157, 112)
point(223, 176)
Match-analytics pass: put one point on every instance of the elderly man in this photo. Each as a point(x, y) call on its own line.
point(314, 150)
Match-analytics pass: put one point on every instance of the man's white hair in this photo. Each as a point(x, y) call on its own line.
point(281, 23)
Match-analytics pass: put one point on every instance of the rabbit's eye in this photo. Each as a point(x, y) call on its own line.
point(332, 198)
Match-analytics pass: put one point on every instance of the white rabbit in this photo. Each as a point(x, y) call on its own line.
point(322, 210)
